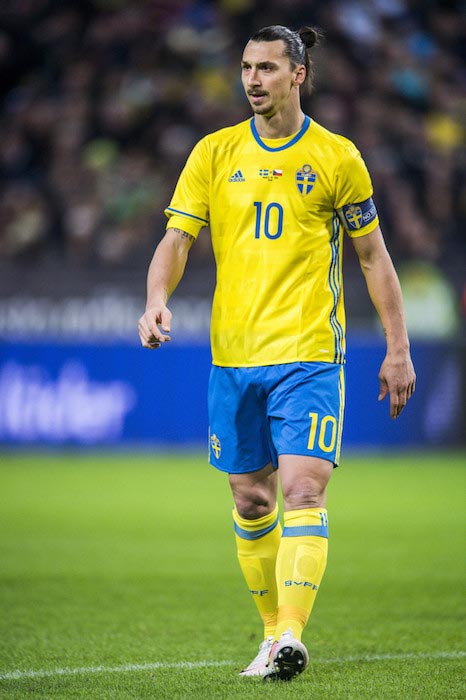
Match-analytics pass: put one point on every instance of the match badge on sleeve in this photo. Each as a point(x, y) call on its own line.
point(355, 216)
point(305, 179)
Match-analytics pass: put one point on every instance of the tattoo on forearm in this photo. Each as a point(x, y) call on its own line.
point(183, 234)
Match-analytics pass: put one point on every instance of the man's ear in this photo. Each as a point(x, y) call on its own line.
point(299, 75)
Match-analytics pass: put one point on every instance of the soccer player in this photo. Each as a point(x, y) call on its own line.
point(278, 191)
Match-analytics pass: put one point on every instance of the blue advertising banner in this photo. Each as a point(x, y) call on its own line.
point(118, 394)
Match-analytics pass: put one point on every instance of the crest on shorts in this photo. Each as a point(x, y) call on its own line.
point(305, 178)
point(215, 445)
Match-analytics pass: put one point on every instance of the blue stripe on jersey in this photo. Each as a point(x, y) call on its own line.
point(335, 285)
point(255, 534)
point(301, 132)
point(184, 213)
point(306, 531)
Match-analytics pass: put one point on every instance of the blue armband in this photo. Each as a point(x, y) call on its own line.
point(356, 216)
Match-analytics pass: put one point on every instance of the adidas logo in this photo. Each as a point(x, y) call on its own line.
point(237, 177)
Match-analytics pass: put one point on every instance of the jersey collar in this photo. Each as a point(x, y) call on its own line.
point(295, 138)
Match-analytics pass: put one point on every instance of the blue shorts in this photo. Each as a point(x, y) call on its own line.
point(259, 413)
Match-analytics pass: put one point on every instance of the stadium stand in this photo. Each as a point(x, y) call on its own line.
point(101, 100)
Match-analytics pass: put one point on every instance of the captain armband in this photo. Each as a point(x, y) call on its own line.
point(359, 215)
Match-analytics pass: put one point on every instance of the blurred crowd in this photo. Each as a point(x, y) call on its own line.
point(101, 101)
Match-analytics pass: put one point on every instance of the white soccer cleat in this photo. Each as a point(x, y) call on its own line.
point(288, 658)
point(258, 665)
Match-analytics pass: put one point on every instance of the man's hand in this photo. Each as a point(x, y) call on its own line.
point(154, 326)
point(165, 271)
point(398, 379)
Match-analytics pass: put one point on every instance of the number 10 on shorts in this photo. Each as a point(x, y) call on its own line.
point(324, 430)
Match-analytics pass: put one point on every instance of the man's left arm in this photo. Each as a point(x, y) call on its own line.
point(396, 376)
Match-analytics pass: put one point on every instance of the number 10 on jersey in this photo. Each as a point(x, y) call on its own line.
point(269, 220)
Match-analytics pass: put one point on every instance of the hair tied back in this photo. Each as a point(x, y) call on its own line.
point(310, 36)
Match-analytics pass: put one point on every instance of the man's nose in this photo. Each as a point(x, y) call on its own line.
point(253, 77)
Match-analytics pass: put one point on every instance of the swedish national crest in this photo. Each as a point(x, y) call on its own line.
point(215, 445)
point(353, 215)
point(305, 178)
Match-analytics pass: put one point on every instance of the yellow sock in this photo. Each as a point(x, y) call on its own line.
point(257, 542)
point(301, 562)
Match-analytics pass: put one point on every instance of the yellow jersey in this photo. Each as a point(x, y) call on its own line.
point(276, 210)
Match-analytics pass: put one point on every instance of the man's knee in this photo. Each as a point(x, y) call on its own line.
point(253, 506)
point(255, 494)
point(300, 496)
point(304, 482)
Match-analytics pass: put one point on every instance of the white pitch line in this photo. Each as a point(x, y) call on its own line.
point(395, 657)
point(189, 665)
point(125, 668)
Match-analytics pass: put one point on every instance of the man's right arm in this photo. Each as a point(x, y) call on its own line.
point(165, 271)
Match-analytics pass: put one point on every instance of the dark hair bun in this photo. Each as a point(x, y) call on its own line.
point(310, 36)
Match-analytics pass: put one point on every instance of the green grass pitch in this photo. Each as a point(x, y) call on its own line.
point(118, 579)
